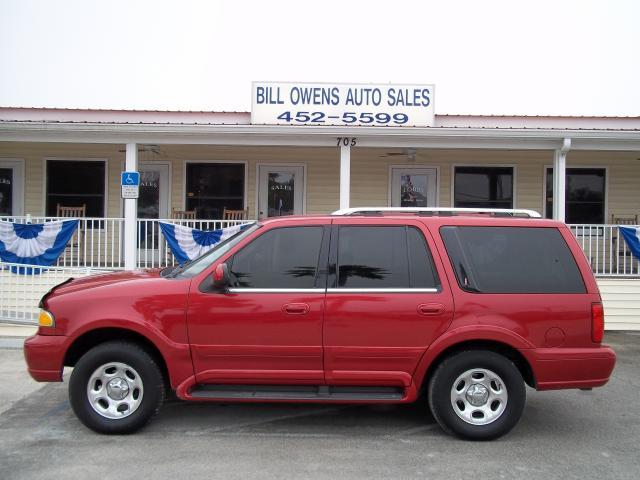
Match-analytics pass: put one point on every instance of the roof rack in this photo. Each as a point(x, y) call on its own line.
point(515, 212)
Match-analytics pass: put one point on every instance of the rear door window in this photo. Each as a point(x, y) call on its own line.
point(375, 257)
point(512, 260)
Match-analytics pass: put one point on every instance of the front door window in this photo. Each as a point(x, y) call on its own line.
point(280, 191)
point(413, 187)
point(11, 187)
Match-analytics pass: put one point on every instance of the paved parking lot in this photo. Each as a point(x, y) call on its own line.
point(564, 435)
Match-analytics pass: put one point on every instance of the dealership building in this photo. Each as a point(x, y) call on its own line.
point(311, 152)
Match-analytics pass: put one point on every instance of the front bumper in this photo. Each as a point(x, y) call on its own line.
point(45, 357)
point(560, 368)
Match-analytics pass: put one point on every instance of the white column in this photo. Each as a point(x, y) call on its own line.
point(130, 211)
point(559, 180)
point(345, 176)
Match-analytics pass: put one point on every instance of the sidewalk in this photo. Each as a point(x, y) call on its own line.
point(12, 336)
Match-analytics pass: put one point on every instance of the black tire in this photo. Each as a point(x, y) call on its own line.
point(147, 374)
point(440, 395)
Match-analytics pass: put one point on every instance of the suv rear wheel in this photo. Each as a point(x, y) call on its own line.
point(477, 394)
point(116, 387)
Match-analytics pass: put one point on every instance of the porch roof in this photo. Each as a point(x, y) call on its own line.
point(234, 128)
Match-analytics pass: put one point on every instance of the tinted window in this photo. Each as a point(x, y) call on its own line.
point(421, 269)
point(512, 260)
point(281, 258)
point(483, 187)
point(383, 257)
point(74, 184)
point(212, 187)
point(584, 195)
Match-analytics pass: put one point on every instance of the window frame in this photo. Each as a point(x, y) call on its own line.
point(514, 176)
point(332, 277)
point(321, 266)
point(192, 161)
point(589, 167)
point(45, 177)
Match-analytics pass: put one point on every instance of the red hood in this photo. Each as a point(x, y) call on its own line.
point(102, 279)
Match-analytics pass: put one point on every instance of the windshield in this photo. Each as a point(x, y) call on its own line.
point(196, 266)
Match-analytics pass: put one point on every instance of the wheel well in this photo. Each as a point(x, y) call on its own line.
point(87, 341)
point(501, 348)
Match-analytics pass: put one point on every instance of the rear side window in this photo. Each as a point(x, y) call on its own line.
point(512, 260)
point(384, 257)
point(280, 258)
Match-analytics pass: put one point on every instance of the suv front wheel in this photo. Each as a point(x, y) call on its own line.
point(477, 394)
point(116, 387)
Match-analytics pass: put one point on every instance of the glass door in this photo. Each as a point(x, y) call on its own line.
point(152, 204)
point(413, 187)
point(11, 180)
point(280, 190)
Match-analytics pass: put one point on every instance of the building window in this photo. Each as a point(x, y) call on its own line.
point(483, 187)
point(584, 195)
point(212, 187)
point(74, 183)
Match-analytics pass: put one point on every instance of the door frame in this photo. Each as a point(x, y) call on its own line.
point(18, 192)
point(277, 165)
point(169, 181)
point(413, 167)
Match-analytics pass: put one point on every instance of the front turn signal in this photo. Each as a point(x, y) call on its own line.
point(45, 319)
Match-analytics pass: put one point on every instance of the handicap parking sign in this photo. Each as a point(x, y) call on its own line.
point(130, 182)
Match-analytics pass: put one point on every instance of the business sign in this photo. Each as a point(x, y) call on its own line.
point(275, 103)
point(130, 182)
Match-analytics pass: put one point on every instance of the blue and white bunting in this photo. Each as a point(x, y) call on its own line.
point(35, 243)
point(189, 243)
point(631, 235)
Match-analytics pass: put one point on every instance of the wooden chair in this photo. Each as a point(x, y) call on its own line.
point(73, 212)
point(78, 238)
point(183, 214)
point(234, 214)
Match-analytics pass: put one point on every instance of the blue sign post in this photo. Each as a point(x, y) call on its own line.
point(130, 182)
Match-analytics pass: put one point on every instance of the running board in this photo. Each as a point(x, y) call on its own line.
point(296, 392)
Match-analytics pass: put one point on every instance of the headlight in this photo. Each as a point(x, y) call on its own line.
point(46, 319)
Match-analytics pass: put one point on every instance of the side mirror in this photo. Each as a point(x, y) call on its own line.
point(221, 276)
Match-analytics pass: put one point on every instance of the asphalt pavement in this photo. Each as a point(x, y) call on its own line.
point(564, 435)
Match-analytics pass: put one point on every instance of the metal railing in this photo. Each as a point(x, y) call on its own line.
point(97, 243)
point(22, 287)
point(153, 251)
point(606, 250)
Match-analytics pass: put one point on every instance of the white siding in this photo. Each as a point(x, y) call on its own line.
point(621, 300)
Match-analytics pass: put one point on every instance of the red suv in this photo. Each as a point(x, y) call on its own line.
point(363, 306)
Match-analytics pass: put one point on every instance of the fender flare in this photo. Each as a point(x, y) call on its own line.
point(467, 333)
point(176, 356)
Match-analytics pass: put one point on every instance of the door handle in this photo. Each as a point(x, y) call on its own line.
point(431, 309)
point(296, 308)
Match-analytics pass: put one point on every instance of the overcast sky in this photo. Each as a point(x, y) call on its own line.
point(485, 57)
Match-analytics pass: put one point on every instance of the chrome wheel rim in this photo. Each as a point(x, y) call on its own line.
point(479, 396)
point(115, 390)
